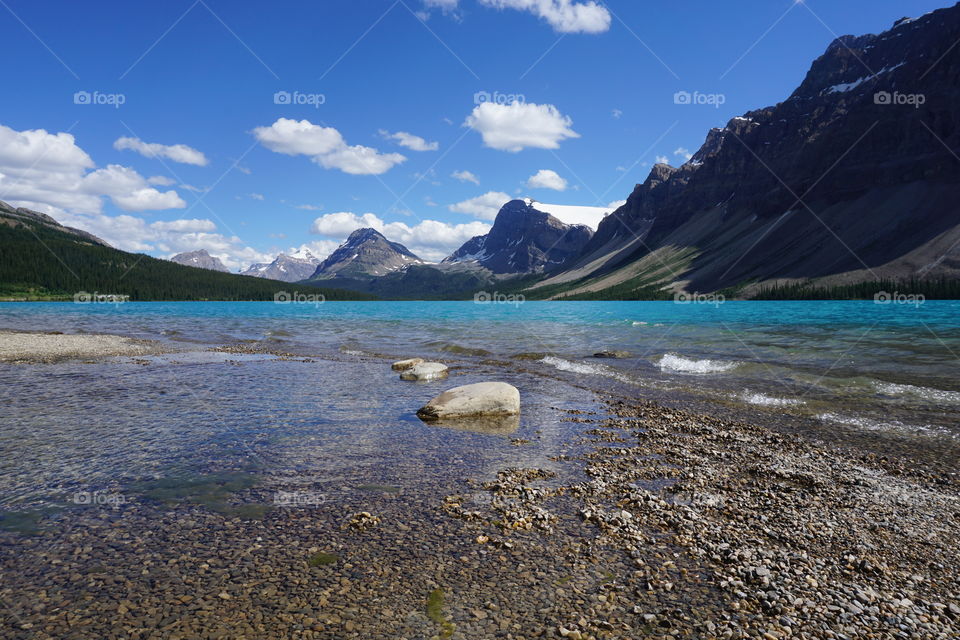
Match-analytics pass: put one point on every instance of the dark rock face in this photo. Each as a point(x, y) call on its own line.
point(200, 259)
point(292, 268)
point(524, 240)
point(365, 254)
point(13, 216)
point(853, 171)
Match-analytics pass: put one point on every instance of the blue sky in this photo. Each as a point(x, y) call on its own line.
point(157, 124)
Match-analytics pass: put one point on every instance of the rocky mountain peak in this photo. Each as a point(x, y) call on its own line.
point(365, 253)
point(200, 259)
point(294, 267)
point(524, 240)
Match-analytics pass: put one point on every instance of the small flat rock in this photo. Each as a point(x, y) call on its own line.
point(472, 400)
point(403, 365)
point(613, 354)
point(425, 371)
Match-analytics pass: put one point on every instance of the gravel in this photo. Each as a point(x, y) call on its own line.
point(660, 524)
point(54, 347)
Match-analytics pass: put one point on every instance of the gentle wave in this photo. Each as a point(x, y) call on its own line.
point(876, 425)
point(924, 393)
point(768, 401)
point(679, 364)
point(583, 368)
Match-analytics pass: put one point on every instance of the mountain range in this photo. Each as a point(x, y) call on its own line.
point(853, 179)
point(41, 259)
point(295, 267)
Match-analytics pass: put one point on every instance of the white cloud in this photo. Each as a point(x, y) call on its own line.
point(445, 5)
point(308, 207)
point(465, 176)
point(430, 239)
point(49, 172)
point(176, 152)
point(129, 190)
point(165, 237)
point(574, 214)
point(515, 126)
point(343, 223)
point(149, 200)
point(184, 225)
point(485, 207)
point(302, 137)
point(547, 179)
point(662, 160)
point(683, 152)
point(565, 16)
point(359, 160)
point(41, 150)
point(325, 146)
point(616, 204)
point(410, 141)
point(161, 181)
point(321, 249)
point(617, 114)
point(256, 196)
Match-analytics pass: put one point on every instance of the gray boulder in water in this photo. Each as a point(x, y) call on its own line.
point(472, 400)
point(403, 365)
point(425, 371)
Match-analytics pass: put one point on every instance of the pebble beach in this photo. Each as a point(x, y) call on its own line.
point(644, 521)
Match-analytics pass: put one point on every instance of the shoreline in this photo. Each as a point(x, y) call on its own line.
point(664, 523)
point(26, 347)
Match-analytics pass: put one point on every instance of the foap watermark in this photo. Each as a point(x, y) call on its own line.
point(115, 100)
point(498, 98)
point(82, 297)
point(295, 297)
point(697, 98)
point(299, 98)
point(298, 498)
point(885, 297)
point(98, 498)
point(714, 299)
point(898, 99)
point(486, 297)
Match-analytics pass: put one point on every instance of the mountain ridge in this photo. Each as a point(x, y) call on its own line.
point(523, 240)
point(294, 267)
point(836, 182)
point(42, 260)
point(366, 253)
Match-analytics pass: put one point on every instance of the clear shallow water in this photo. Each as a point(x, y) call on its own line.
point(344, 419)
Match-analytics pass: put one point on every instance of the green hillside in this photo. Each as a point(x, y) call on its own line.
point(41, 262)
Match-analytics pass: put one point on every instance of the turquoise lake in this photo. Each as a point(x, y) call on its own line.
point(336, 415)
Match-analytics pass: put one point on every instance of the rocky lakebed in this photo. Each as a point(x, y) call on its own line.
point(649, 522)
